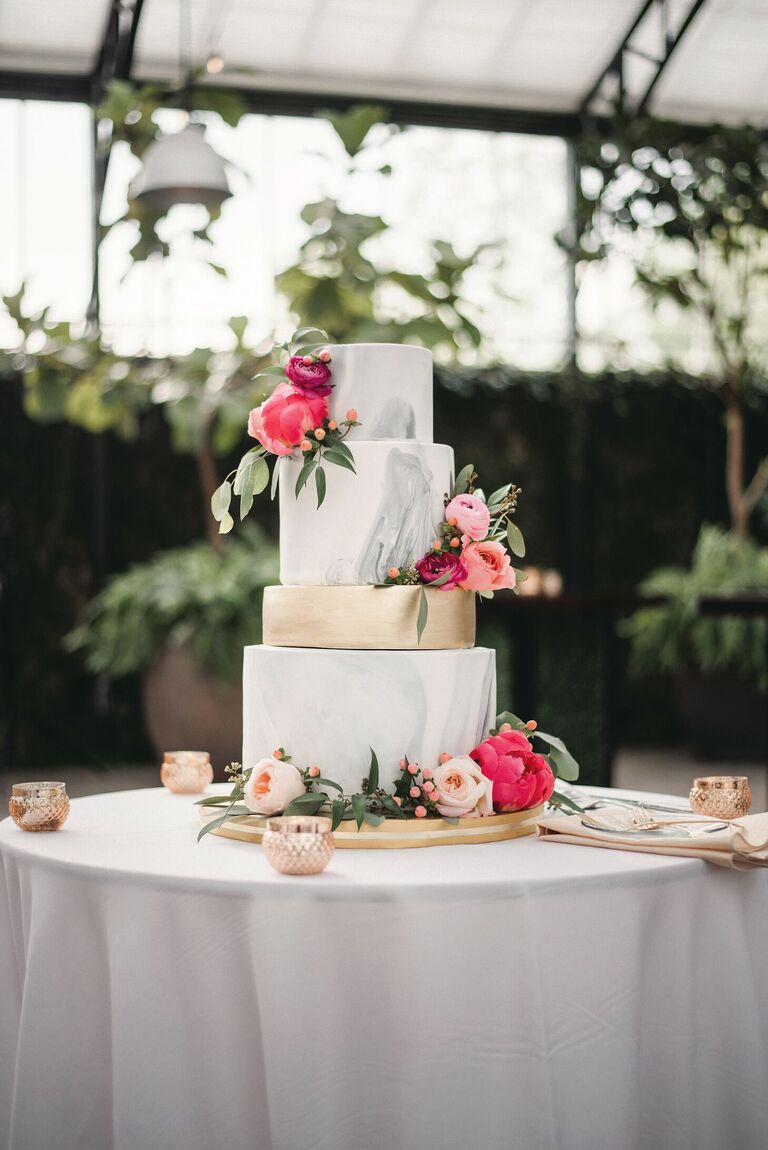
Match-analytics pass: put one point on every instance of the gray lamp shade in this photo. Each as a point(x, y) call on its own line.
point(181, 169)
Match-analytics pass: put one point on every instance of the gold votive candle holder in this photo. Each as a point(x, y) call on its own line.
point(721, 796)
point(186, 772)
point(299, 844)
point(39, 806)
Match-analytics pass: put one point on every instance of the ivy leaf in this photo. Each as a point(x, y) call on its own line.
point(320, 484)
point(373, 773)
point(304, 475)
point(220, 500)
point(275, 479)
point(358, 809)
point(515, 539)
point(423, 616)
point(338, 807)
point(461, 482)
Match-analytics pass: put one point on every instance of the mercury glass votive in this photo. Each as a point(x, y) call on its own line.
point(39, 806)
point(721, 796)
point(299, 844)
point(186, 772)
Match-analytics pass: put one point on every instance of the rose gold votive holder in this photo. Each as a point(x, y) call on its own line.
point(299, 844)
point(721, 796)
point(186, 772)
point(39, 806)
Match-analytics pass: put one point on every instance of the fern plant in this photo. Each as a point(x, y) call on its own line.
point(676, 637)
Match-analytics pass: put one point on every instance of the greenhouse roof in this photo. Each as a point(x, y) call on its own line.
point(536, 65)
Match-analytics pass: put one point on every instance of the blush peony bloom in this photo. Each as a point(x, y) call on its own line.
point(488, 567)
point(309, 378)
point(272, 785)
point(520, 777)
point(438, 563)
point(471, 514)
point(281, 421)
point(461, 788)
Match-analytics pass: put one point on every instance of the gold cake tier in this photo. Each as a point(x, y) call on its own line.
point(367, 618)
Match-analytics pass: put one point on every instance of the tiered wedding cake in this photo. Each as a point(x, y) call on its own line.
point(341, 670)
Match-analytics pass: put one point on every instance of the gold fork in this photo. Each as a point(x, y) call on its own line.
point(639, 820)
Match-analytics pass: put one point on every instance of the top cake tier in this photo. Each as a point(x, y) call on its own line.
point(390, 387)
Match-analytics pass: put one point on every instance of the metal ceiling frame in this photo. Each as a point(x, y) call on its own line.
point(614, 71)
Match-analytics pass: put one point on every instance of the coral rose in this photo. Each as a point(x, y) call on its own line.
point(461, 788)
point(309, 378)
point(272, 785)
point(520, 777)
point(281, 421)
point(488, 567)
point(470, 514)
point(440, 563)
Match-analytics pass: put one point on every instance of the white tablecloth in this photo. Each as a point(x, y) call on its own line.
point(156, 994)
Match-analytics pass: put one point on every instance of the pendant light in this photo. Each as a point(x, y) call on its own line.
point(182, 167)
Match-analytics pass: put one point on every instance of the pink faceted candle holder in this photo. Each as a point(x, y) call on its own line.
point(186, 772)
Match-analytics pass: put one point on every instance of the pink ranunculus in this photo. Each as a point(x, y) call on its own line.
point(520, 777)
point(488, 567)
point(461, 789)
point(309, 378)
point(281, 421)
point(471, 514)
point(439, 563)
point(272, 785)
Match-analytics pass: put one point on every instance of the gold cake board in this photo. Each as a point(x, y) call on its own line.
point(399, 834)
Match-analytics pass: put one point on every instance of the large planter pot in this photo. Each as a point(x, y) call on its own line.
point(186, 710)
point(723, 717)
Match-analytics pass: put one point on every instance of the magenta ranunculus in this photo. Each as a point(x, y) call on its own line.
point(471, 514)
point(282, 420)
point(521, 778)
point(309, 378)
point(439, 563)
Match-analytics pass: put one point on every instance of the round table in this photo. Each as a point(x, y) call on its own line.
point(157, 994)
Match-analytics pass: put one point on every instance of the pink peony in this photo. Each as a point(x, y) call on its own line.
point(309, 378)
point(438, 563)
point(461, 789)
point(281, 421)
point(488, 567)
point(272, 786)
point(520, 777)
point(471, 514)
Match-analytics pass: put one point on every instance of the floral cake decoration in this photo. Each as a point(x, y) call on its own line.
point(471, 548)
point(293, 420)
point(501, 775)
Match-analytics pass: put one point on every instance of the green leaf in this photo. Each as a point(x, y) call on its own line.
point(558, 800)
point(328, 783)
point(561, 759)
point(461, 482)
point(340, 446)
point(308, 804)
point(392, 806)
point(372, 819)
point(358, 809)
point(227, 523)
point(373, 773)
point(499, 494)
point(220, 500)
point(214, 823)
point(423, 616)
point(304, 475)
point(353, 125)
point(320, 484)
point(338, 807)
point(514, 721)
point(515, 539)
point(333, 456)
point(214, 801)
point(275, 479)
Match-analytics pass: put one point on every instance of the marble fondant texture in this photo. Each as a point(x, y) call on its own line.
point(390, 387)
point(383, 516)
point(328, 708)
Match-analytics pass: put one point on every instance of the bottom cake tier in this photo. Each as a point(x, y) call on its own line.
point(329, 708)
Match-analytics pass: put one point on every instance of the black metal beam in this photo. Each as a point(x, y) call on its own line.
point(615, 69)
point(57, 86)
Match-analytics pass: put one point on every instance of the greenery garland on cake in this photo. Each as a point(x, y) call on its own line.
point(501, 775)
point(294, 418)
